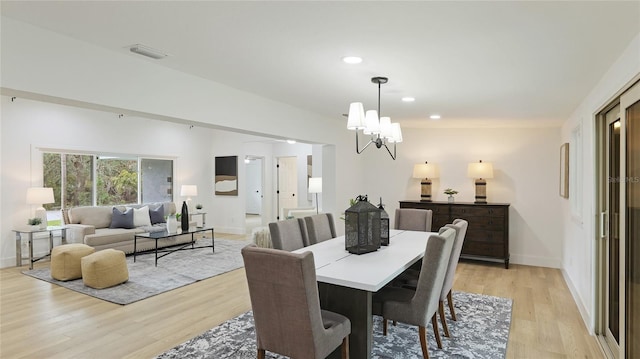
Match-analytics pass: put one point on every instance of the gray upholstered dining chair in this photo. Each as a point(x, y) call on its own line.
point(409, 278)
point(289, 235)
point(320, 227)
point(460, 226)
point(412, 219)
point(286, 306)
point(418, 306)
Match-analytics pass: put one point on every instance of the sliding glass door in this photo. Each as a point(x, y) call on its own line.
point(630, 103)
point(611, 235)
point(619, 249)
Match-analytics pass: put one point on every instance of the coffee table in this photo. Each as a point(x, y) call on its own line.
point(158, 236)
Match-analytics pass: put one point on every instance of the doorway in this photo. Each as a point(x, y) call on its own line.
point(287, 191)
point(254, 188)
point(619, 238)
point(253, 185)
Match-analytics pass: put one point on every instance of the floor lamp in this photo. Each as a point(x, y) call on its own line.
point(315, 186)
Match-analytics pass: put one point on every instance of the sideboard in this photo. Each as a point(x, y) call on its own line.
point(488, 232)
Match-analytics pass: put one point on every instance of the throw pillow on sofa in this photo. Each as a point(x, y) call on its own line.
point(141, 217)
point(121, 219)
point(157, 215)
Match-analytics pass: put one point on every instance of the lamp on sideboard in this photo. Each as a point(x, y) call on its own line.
point(315, 186)
point(40, 196)
point(480, 171)
point(426, 172)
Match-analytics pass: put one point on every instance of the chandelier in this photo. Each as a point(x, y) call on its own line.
point(381, 130)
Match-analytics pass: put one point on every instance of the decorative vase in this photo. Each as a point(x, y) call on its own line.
point(184, 217)
point(172, 224)
point(451, 199)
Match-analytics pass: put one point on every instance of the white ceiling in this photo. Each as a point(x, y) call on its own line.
point(475, 63)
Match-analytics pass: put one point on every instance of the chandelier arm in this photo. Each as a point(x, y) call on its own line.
point(393, 155)
point(358, 151)
point(379, 114)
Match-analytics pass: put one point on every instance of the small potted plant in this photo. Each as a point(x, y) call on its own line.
point(34, 223)
point(450, 192)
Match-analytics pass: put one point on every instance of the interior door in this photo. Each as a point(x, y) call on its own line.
point(253, 184)
point(287, 183)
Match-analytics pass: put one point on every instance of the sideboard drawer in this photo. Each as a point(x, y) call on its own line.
point(485, 236)
point(485, 223)
point(494, 250)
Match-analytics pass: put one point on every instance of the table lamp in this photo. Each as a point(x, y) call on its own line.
point(425, 171)
point(40, 196)
point(480, 171)
point(315, 186)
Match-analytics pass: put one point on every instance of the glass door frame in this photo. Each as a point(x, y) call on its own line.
point(632, 90)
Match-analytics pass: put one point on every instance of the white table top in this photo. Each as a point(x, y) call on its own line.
point(370, 271)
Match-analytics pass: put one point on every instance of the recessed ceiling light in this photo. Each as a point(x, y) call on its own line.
point(352, 60)
point(434, 117)
point(291, 142)
point(408, 99)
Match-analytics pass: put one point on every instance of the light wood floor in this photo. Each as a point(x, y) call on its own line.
point(42, 320)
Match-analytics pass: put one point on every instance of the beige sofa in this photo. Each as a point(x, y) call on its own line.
point(91, 225)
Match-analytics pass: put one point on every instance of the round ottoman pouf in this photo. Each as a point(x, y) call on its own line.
point(104, 269)
point(65, 260)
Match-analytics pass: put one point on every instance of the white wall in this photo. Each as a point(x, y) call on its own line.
point(525, 163)
point(525, 160)
point(579, 235)
point(30, 125)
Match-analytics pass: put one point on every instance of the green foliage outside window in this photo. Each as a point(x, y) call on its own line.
point(117, 181)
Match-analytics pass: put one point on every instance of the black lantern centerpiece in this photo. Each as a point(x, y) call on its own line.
point(362, 227)
point(384, 225)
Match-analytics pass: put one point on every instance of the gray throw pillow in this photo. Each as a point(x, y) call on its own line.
point(122, 219)
point(157, 215)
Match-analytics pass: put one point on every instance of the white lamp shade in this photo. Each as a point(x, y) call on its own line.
point(396, 133)
point(424, 170)
point(355, 121)
point(373, 124)
point(40, 195)
point(188, 190)
point(315, 185)
point(480, 170)
point(385, 128)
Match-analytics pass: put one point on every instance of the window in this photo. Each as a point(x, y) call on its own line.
point(87, 179)
point(71, 177)
point(117, 180)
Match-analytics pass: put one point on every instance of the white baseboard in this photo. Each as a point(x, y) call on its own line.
point(8, 262)
point(11, 262)
point(536, 261)
point(231, 230)
point(584, 313)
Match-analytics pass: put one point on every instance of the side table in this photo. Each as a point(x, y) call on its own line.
point(30, 232)
point(204, 217)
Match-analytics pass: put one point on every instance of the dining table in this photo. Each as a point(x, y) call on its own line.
point(347, 281)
